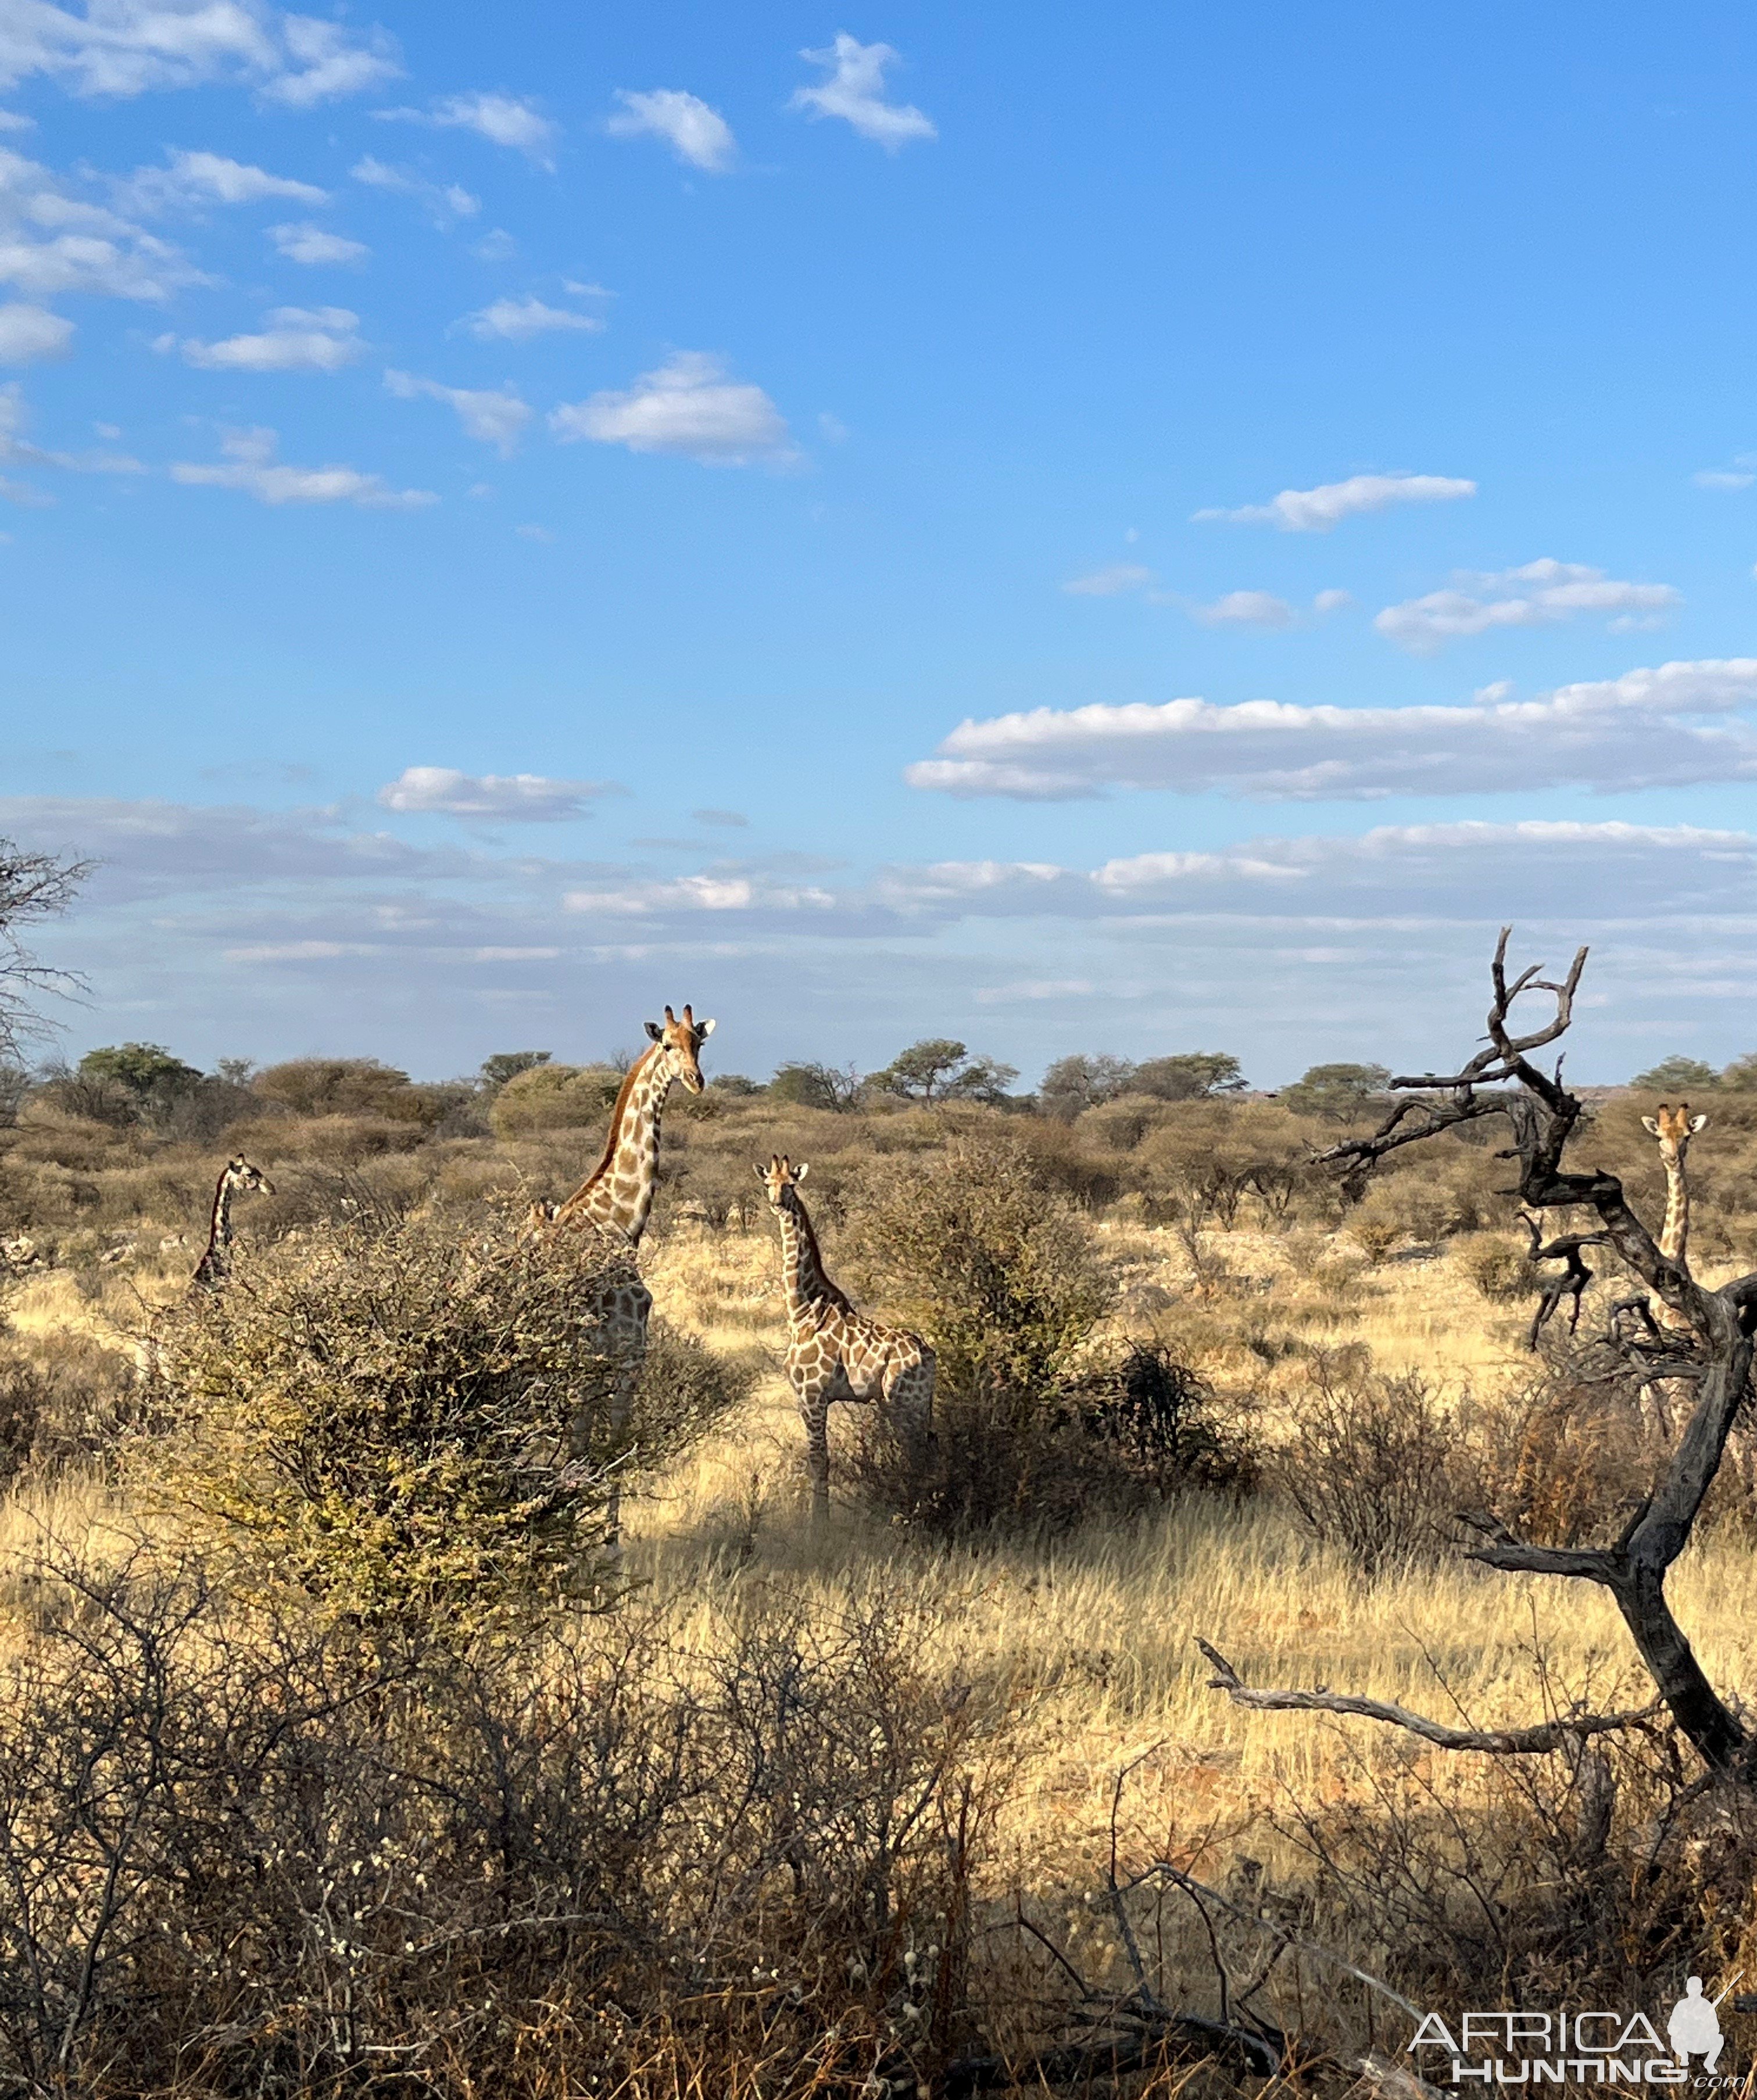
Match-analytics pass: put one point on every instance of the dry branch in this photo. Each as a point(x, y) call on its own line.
point(1536, 1741)
point(1501, 1079)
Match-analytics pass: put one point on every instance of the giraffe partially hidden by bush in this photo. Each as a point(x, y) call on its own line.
point(215, 1265)
point(614, 1202)
point(834, 1352)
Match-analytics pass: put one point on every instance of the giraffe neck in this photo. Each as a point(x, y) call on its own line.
point(1675, 1236)
point(619, 1193)
point(219, 1227)
point(809, 1291)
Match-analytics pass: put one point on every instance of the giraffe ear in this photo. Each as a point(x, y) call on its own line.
point(1650, 1127)
point(801, 1170)
point(654, 1031)
point(1696, 1123)
point(761, 1173)
point(704, 1030)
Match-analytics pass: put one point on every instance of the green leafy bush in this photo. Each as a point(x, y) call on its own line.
point(385, 1416)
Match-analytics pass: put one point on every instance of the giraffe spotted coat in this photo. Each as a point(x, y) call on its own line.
point(834, 1352)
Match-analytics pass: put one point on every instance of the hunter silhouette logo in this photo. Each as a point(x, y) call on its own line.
point(1694, 2028)
point(1565, 2047)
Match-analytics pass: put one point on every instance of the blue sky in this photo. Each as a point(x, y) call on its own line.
point(1146, 530)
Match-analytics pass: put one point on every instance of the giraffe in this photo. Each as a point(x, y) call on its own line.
point(1674, 1127)
point(834, 1352)
point(215, 1265)
point(614, 1202)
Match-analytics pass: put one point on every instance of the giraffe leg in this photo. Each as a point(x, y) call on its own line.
point(908, 1391)
point(815, 1412)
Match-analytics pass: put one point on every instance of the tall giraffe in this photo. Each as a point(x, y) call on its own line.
point(834, 1352)
point(1674, 1127)
point(617, 1199)
point(215, 1265)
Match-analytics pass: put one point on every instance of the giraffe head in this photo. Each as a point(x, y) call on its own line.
point(241, 1173)
point(1674, 1127)
point(680, 1043)
point(780, 1177)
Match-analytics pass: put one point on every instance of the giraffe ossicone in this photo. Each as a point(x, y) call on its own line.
point(835, 1352)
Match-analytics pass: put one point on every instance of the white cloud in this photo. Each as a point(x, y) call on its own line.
point(1331, 601)
point(125, 47)
point(1536, 595)
point(1247, 608)
point(1112, 582)
point(496, 246)
point(698, 135)
point(445, 201)
point(855, 92)
point(503, 120)
point(516, 320)
point(313, 246)
point(539, 533)
point(1675, 725)
point(190, 179)
point(1723, 477)
point(519, 798)
point(249, 466)
point(17, 450)
point(1289, 950)
point(11, 121)
point(297, 339)
point(496, 418)
point(52, 242)
point(687, 406)
point(1318, 510)
point(30, 333)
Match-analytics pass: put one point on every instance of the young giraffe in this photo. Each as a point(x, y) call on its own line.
point(615, 1199)
point(215, 1265)
point(834, 1352)
point(1674, 1127)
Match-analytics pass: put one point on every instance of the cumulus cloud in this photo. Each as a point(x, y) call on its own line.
point(503, 120)
point(1673, 725)
point(1120, 578)
point(297, 339)
point(313, 245)
point(30, 333)
point(445, 202)
point(1536, 595)
point(496, 417)
point(53, 242)
point(688, 407)
point(249, 465)
point(1319, 510)
point(698, 135)
point(119, 48)
point(1247, 608)
point(189, 180)
point(854, 91)
point(518, 798)
point(516, 320)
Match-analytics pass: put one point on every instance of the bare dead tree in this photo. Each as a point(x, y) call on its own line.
point(32, 887)
point(1572, 1282)
point(1502, 1080)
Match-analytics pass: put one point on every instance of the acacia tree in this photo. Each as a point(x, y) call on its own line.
point(1714, 1354)
point(32, 887)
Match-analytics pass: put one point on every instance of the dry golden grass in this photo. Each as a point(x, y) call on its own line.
point(1093, 1634)
point(1096, 1631)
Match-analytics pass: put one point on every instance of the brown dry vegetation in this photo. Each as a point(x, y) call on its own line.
point(771, 1811)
